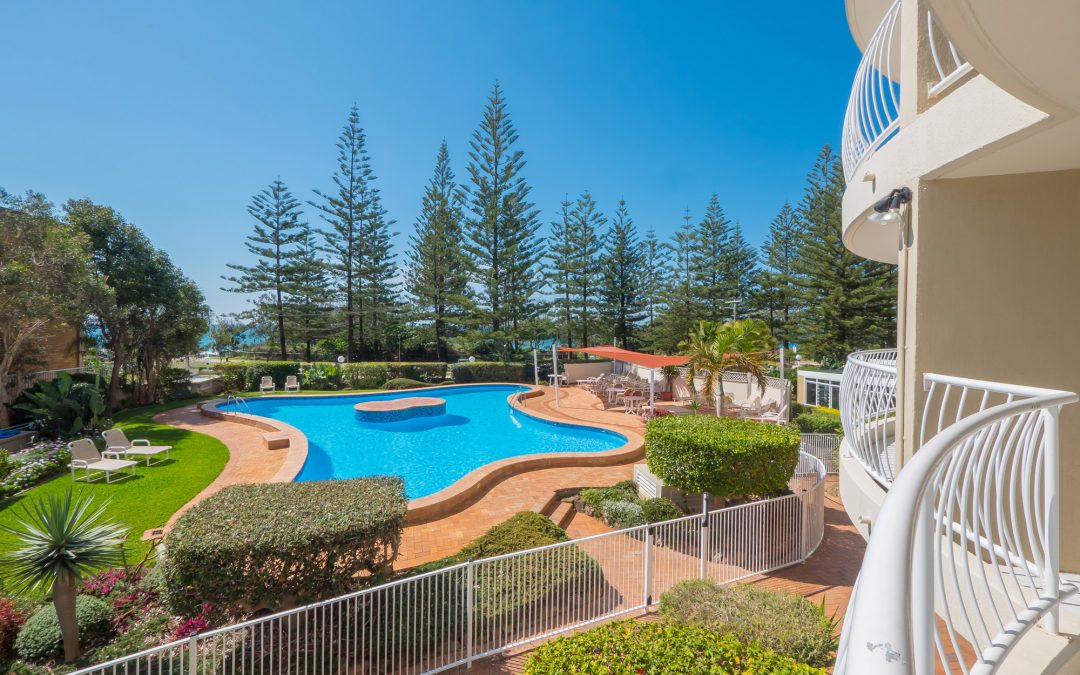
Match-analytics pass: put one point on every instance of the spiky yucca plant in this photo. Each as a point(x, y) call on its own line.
point(62, 540)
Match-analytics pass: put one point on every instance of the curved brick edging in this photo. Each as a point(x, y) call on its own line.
point(276, 430)
point(473, 485)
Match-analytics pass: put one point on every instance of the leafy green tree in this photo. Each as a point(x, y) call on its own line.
point(46, 279)
point(622, 268)
point(559, 272)
point(437, 278)
point(710, 278)
point(587, 221)
point(62, 539)
point(277, 233)
point(776, 296)
point(226, 334)
point(849, 302)
point(501, 231)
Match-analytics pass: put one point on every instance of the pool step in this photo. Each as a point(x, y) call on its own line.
point(563, 514)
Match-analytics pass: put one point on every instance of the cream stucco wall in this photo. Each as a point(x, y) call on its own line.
point(992, 278)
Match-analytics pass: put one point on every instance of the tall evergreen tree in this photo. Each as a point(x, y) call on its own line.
point(361, 265)
point(436, 277)
point(711, 281)
point(587, 222)
point(653, 276)
point(849, 302)
point(621, 277)
point(739, 263)
point(310, 298)
point(501, 232)
point(681, 307)
point(776, 298)
point(277, 233)
point(559, 272)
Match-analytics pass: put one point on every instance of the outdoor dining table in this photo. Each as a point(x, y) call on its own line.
point(561, 376)
point(633, 403)
point(612, 392)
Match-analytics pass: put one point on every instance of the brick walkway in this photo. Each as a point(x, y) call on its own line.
point(249, 460)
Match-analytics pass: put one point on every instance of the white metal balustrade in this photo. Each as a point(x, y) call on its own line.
point(968, 532)
point(868, 411)
point(446, 618)
point(825, 447)
point(873, 110)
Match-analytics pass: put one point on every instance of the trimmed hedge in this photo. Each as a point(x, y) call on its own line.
point(40, 638)
point(819, 421)
point(788, 624)
point(246, 375)
point(275, 545)
point(399, 383)
point(490, 371)
point(634, 648)
point(725, 457)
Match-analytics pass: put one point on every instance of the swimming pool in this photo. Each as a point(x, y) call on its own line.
point(430, 453)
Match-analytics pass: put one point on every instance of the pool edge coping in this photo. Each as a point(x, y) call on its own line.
point(472, 486)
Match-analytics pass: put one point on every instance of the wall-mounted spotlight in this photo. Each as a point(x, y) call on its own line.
point(887, 210)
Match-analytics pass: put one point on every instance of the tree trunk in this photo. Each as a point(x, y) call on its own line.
point(64, 601)
point(114, 379)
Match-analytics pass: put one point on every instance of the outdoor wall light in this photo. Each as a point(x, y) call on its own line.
point(887, 209)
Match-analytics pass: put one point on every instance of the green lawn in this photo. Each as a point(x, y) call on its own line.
point(155, 493)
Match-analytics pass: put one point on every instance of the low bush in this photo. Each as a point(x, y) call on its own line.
point(399, 383)
point(619, 506)
point(491, 371)
point(820, 421)
point(246, 375)
point(659, 509)
point(788, 624)
point(275, 545)
point(725, 457)
point(11, 620)
point(634, 648)
point(6, 464)
point(371, 375)
point(40, 639)
point(620, 514)
point(35, 465)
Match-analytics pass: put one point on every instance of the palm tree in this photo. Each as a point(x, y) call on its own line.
point(62, 539)
point(700, 346)
point(735, 345)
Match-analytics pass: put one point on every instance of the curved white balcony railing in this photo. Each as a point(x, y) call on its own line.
point(873, 108)
point(968, 533)
point(868, 411)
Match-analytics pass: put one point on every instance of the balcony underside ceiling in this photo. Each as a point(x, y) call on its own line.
point(863, 18)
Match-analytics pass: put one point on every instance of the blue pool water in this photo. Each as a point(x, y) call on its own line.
point(430, 453)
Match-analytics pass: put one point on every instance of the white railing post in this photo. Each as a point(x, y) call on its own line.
point(193, 651)
point(1051, 572)
point(704, 531)
point(647, 576)
point(469, 647)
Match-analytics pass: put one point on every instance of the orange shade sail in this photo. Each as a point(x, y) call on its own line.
point(636, 358)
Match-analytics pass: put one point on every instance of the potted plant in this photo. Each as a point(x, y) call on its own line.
point(670, 373)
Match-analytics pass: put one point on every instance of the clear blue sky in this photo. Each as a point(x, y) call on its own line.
point(175, 114)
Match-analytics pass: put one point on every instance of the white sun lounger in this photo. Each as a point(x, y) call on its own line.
point(292, 384)
point(85, 455)
point(116, 441)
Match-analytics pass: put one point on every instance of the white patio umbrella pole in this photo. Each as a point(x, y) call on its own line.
point(781, 362)
point(555, 371)
point(652, 389)
point(536, 368)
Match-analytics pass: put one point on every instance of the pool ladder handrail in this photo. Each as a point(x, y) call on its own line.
point(239, 402)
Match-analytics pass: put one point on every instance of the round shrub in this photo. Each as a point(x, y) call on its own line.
point(819, 422)
point(274, 545)
point(11, 620)
point(725, 457)
point(594, 498)
point(659, 509)
point(634, 647)
point(788, 624)
point(399, 383)
point(40, 637)
point(622, 514)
